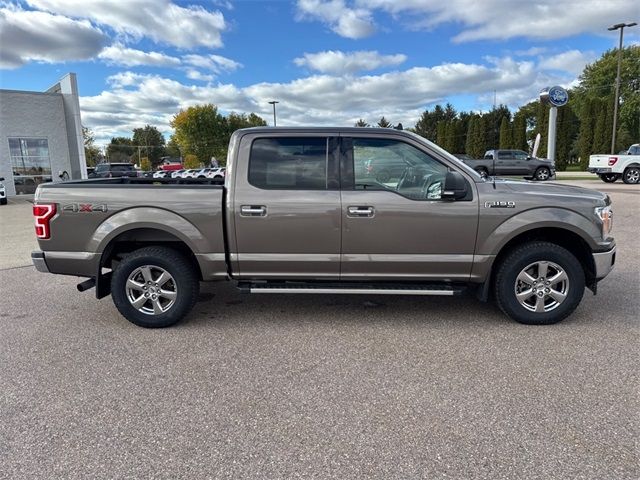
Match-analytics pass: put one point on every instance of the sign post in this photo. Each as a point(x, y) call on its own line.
point(556, 97)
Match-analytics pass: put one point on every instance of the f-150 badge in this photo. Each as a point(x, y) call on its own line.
point(497, 204)
point(84, 207)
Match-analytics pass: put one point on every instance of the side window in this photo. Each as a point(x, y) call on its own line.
point(295, 163)
point(381, 164)
point(503, 155)
point(520, 155)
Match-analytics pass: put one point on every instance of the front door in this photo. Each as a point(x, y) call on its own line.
point(287, 208)
point(398, 227)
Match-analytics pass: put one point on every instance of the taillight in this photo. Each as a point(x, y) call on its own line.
point(43, 213)
point(612, 161)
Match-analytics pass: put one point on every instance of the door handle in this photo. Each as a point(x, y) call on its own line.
point(253, 211)
point(360, 211)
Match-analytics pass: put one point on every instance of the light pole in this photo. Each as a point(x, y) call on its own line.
point(273, 102)
point(618, 26)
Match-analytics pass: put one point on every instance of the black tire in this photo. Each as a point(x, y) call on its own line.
point(185, 280)
point(3, 201)
point(506, 282)
point(609, 177)
point(542, 174)
point(484, 173)
point(631, 175)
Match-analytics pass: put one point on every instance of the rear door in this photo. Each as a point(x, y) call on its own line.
point(400, 228)
point(286, 207)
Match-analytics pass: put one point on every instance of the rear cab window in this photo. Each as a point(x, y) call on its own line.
point(289, 163)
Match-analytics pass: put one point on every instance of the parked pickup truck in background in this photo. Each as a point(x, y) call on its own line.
point(298, 213)
point(513, 162)
point(612, 167)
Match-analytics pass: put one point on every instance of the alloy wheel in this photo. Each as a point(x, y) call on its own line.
point(541, 286)
point(151, 290)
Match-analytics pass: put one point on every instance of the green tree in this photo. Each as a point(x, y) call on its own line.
point(203, 131)
point(441, 132)
point(145, 164)
point(384, 123)
point(173, 149)
point(92, 153)
point(585, 134)
point(598, 81)
point(191, 161)
point(120, 150)
point(150, 143)
point(506, 140)
point(519, 136)
point(361, 123)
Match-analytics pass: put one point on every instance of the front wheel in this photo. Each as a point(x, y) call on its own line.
point(631, 175)
point(155, 287)
point(539, 283)
point(609, 177)
point(542, 174)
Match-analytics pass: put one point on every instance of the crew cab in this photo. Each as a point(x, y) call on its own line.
point(299, 213)
point(612, 167)
point(513, 162)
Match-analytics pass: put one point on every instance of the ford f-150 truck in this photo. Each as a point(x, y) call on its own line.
point(612, 167)
point(513, 162)
point(297, 213)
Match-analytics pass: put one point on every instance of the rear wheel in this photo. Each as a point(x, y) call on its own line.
point(631, 175)
point(539, 283)
point(155, 287)
point(609, 177)
point(542, 174)
point(3, 201)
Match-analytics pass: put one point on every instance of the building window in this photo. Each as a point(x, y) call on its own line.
point(30, 163)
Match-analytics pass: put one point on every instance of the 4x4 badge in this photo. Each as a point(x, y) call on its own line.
point(84, 207)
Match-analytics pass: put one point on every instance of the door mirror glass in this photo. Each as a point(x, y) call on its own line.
point(455, 186)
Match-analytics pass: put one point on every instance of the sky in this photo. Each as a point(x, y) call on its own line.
point(327, 62)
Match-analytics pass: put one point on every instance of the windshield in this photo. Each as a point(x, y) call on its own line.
point(634, 150)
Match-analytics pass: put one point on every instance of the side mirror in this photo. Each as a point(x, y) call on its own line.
point(455, 186)
point(529, 157)
point(1, 179)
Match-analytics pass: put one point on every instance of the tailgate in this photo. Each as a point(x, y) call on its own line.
point(599, 161)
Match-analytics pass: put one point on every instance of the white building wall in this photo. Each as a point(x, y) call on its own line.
point(28, 115)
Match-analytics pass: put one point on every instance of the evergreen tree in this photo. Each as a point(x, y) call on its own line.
point(361, 123)
point(384, 123)
point(585, 135)
point(519, 138)
point(505, 134)
point(441, 132)
point(471, 130)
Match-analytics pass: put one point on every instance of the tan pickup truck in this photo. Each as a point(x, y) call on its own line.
point(300, 212)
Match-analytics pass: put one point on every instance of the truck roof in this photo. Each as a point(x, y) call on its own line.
point(328, 130)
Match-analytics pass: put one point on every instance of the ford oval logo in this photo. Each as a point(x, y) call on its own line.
point(558, 96)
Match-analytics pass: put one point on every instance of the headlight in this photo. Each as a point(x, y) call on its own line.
point(605, 214)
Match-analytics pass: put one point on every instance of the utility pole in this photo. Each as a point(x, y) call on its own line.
point(618, 26)
point(273, 102)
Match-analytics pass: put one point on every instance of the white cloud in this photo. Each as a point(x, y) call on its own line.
point(347, 22)
point(572, 61)
point(488, 19)
point(39, 36)
point(339, 62)
point(118, 54)
point(133, 99)
point(214, 63)
point(160, 20)
point(194, 74)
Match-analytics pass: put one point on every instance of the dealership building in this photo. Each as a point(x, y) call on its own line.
point(41, 136)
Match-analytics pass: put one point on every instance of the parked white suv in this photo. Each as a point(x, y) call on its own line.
point(611, 167)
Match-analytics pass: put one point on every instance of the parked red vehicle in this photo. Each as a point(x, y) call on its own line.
point(170, 167)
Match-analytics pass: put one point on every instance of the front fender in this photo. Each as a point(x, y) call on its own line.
point(491, 242)
point(147, 217)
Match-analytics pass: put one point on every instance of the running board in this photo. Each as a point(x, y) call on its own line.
point(353, 289)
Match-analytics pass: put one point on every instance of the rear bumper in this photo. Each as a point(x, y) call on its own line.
point(604, 262)
point(80, 264)
point(599, 170)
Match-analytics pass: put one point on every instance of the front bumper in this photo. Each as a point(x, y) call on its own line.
point(604, 262)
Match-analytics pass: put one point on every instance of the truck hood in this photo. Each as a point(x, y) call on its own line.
point(539, 189)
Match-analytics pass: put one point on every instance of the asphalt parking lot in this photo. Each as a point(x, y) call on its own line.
point(317, 386)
